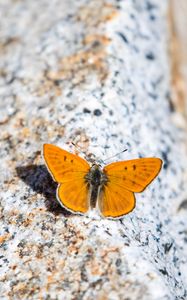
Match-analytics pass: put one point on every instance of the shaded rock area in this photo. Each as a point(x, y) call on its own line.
point(95, 73)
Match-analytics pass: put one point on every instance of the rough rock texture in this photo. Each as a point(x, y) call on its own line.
point(96, 73)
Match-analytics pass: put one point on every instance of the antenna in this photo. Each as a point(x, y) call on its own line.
point(84, 154)
point(78, 148)
point(115, 155)
point(92, 160)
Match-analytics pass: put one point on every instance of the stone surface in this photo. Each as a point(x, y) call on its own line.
point(96, 73)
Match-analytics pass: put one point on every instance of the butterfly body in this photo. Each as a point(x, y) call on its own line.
point(111, 189)
point(96, 178)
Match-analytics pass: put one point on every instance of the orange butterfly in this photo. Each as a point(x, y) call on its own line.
point(81, 186)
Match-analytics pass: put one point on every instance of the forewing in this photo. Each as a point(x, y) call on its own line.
point(115, 201)
point(73, 195)
point(134, 175)
point(64, 166)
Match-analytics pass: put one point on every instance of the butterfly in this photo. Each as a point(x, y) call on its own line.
point(111, 189)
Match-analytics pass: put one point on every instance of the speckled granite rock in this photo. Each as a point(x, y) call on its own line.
point(95, 72)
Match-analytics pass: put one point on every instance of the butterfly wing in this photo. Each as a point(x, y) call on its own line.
point(124, 178)
point(69, 171)
point(73, 195)
point(134, 175)
point(115, 201)
point(62, 165)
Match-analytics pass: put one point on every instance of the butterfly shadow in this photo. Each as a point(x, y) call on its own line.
point(39, 179)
